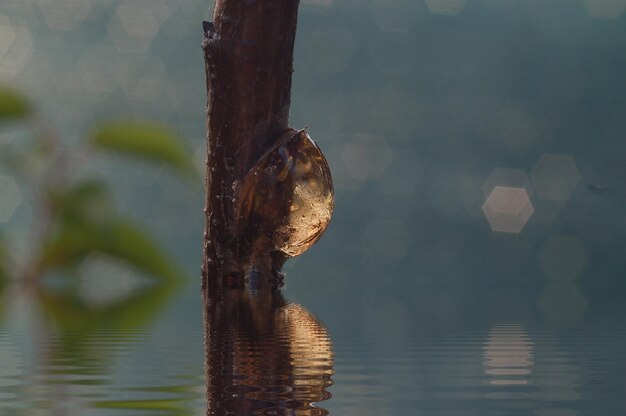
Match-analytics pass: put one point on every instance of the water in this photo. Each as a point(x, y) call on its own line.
point(265, 356)
point(268, 356)
point(437, 297)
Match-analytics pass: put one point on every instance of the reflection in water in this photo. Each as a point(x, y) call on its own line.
point(538, 372)
point(508, 355)
point(59, 352)
point(265, 356)
point(508, 360)
point(558, 379)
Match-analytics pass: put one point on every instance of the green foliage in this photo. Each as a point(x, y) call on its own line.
point(149, 141)
point(87, 202)
point(82, 324)
point(3, 264)
point(77, 216)
point(117, 238)
point(13, 105)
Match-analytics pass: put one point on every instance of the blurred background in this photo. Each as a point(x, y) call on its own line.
point(478, 153)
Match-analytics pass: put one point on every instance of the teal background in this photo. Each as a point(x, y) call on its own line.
point(421, 108)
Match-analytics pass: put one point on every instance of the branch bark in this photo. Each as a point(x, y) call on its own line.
point(248, 51)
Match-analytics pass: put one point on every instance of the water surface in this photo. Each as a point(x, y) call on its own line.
point(269, 356)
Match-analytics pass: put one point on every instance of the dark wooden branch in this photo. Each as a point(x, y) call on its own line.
point(248, 51)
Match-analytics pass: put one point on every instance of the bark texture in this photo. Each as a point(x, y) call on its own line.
point(248, 51)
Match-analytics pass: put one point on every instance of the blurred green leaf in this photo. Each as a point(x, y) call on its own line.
point(150, 141)
point(13, 105)
point(76, 316)
point(3, 264)
point(87, 202)
point(136, 247)
point(117, 238)
point(83, 324)
point(3, 273)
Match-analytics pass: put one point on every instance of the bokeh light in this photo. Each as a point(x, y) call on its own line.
point(10, 197)
point(7, 34)
point(97, 69)
point(366, 157)
point(562, 261)
point(395, 15)
point(554, 177)
point(133, 27)
point(403, 174)
point(605, 9)
point(562, 302)
point(508, 355)
point(388, 52)
point(104, 280)
point(508, 209)
point(64, 15)
point(514, 130)
point(323, 4)
point(513, 178)
point(477, 162)
point(385, 241)
point(145, 82)
point(445, 7)
point(16, 46)
point(562, 258)
point(329, 49)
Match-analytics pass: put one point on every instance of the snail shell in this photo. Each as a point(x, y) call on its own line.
point(285, 202)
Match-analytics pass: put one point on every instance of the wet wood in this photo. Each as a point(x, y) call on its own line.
point(265, 355)
point(248, 50)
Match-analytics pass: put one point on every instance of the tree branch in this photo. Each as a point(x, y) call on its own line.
point(248, 51)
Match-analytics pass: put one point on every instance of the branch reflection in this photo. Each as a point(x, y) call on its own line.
point(265, 356)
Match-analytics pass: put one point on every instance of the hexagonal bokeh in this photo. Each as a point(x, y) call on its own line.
point(386, 241)
point(366, 157)
point(395, 15)
point(514, 129)
point(146, 81)
point(561, 303)
point(16, 46)
point(562, 258)
point(330, 49)
point(514, 178)
point(64, 15)
point(388, 52)
point(605, 9)
point(97, 69)
point(199, 159)
point(469, 194)
point(508, 209)
point(403, 174)
point(7, 34)
point(318, 3)
point(133, 27)
point(554, 177)
point(445, 7)
point(10, 197)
